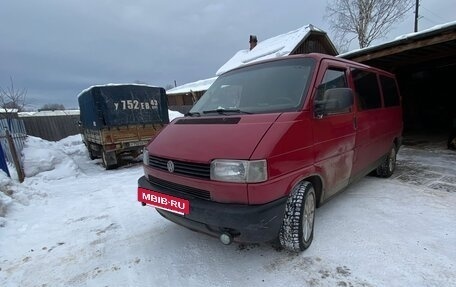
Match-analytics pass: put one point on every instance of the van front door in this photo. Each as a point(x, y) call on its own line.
point(333, 130)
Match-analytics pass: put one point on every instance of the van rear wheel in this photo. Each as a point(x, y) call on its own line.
point(296, 233)
point(387, 167)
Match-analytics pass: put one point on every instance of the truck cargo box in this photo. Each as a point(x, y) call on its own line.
point(118, 120)
point(120, 105)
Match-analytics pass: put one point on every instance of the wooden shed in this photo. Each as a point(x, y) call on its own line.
point(425, 65)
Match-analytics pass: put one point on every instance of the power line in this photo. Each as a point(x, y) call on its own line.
point(429, 20)
point(434, 14)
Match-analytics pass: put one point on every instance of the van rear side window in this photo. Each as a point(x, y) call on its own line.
point(366, 86)
point(390, 94)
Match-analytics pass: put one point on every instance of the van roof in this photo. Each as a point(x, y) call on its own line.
point(319, 57)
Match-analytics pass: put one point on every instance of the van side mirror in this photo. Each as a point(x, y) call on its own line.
point(334, 101)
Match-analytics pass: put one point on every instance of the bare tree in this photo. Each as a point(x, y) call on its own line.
point(366, 20)
point(12, 98)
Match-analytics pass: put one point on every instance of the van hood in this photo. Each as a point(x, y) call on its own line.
point(202, 139)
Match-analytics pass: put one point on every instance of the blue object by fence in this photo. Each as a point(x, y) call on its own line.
point(3, 165)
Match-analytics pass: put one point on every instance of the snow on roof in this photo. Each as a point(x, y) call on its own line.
point(399, 39)
point(111, 84)
point(197, 86)
point(278, 46)
point(48, 113)
point(426, 31)
point(8, 110)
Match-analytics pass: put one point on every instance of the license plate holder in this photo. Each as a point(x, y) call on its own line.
point(163, 201)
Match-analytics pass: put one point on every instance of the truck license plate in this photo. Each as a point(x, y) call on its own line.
point(140, 143)
point(163, 201)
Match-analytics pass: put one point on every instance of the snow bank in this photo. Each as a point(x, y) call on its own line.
point(52, 160)
point(5, 199)
point(43, 161)
point(56, 160)
point(46, 161)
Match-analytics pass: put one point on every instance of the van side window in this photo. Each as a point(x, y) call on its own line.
point(366, 87)
point(390, 94)
point(332, 79)
point(327, 102)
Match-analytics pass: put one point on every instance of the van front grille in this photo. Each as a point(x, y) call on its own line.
point(179, 190)
point(199, 170)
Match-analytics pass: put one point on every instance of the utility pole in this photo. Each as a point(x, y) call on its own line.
point(417, 4)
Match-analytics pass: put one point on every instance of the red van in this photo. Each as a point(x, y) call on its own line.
point(268, 143)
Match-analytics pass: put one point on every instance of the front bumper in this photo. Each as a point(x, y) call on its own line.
point(246, 223)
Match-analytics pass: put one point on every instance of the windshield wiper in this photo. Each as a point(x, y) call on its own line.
point(190, 114)
point(223, 111)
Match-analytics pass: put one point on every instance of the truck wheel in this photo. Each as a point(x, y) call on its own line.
point(92, 155)
point(296, 233)
point(387, 167)
point(107, 161)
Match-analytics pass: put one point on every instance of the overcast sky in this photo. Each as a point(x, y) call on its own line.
point(56, 48)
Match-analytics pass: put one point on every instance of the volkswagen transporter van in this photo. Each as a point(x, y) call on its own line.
point(270, 142)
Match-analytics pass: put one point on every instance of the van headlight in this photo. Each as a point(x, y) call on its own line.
point(146, 156)
point(239, 170)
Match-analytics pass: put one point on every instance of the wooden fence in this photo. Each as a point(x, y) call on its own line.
point(12, 140)
point(52, 128)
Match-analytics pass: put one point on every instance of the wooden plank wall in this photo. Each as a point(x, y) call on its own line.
point(52, 128)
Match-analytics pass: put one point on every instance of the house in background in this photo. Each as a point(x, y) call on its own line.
point(307, 39)
point(183, 97)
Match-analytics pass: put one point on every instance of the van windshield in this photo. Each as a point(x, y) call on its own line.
point(276, 86)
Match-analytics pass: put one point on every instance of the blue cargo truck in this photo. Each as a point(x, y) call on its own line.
point(118, 120)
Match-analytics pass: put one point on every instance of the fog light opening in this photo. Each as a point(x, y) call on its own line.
point(226, 238)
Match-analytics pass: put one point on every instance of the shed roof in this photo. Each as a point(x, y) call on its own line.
point(432, 46)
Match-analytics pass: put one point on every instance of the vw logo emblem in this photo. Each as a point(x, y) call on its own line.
point(170, 166)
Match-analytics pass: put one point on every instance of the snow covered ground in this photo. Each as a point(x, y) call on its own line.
point(72, 223)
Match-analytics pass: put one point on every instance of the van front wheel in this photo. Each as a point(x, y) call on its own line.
point(387, 167)
point(296, 233)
